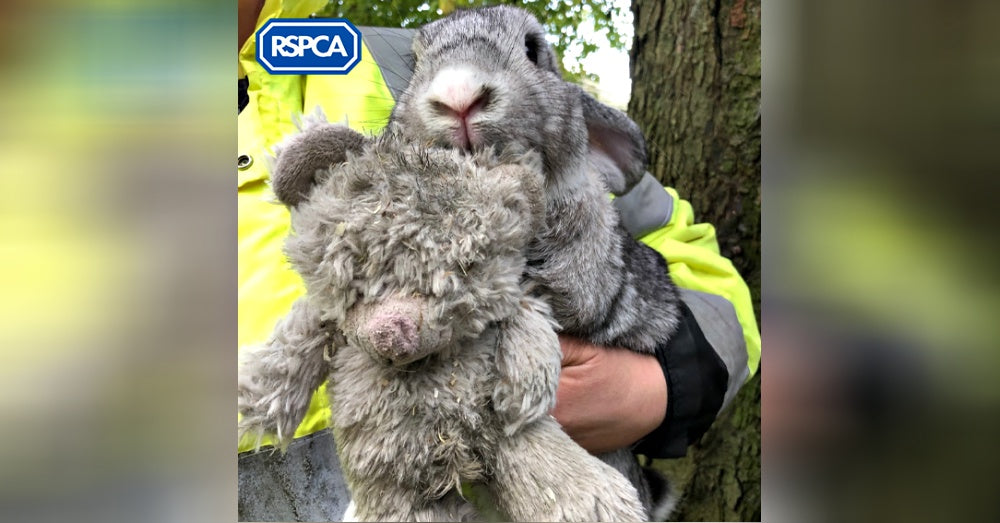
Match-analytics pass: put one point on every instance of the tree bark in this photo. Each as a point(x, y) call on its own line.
point(696, 97)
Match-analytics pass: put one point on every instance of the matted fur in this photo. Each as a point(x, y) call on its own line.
point(603, 285)
point(398, 229)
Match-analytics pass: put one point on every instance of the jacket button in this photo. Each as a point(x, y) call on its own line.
point(243, 162)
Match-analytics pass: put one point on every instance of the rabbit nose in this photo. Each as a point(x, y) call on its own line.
point(463, 107)
point(457, 88)
point(459, 93)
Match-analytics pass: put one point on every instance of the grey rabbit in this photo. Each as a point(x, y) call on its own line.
point(487, 77)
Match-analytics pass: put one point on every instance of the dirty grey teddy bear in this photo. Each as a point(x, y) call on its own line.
point(442, 364)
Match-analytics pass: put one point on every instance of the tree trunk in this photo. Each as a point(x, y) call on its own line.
point(696, 97)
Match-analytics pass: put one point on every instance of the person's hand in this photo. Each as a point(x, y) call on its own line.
point(608, 398)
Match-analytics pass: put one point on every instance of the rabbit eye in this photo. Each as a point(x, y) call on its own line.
point(531, 49)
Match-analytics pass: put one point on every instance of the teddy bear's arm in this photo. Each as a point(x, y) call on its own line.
point(542, 475)
point(528, 362)
point(277, 379)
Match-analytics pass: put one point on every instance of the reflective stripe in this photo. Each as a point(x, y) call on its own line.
point(692, 252)
point(646, 207)
point(720, 326)
point(390, 47)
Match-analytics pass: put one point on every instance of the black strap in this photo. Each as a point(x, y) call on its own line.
point(696, 385)
point(244, 98)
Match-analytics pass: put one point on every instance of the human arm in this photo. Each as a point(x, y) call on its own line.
point(611, 398)
point(608, 397)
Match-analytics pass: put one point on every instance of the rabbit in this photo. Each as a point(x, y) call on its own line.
point(487, 77)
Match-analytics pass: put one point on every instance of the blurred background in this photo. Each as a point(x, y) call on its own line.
point(117, 261)
point(879, 395)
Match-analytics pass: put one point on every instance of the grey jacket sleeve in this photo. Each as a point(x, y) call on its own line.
point(390, 47)
point(705, 363)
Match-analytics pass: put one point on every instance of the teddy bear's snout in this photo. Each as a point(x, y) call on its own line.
point(394, 329)
point(394, 335)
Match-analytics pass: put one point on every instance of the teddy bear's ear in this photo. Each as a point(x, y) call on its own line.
point(305, 158)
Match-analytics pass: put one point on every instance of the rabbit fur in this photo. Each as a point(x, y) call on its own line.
point(487, 77)
point(440, 363)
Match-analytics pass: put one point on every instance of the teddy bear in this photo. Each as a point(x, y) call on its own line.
point(440, 361)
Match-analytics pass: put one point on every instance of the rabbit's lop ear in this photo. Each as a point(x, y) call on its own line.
point(304, 159)
point(616, 146)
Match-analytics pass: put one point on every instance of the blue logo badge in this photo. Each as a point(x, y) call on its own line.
point(308, 46)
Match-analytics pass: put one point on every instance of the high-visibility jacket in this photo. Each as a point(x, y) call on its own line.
point(718, 308)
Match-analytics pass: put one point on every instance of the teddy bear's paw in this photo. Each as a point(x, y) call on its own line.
point(265, 415)
point(519, 404)
point(603, 501)
point(615, 498)
point(588, 499)
point(252, 418)
point(254, 427)
point(253, 408)
point(259, 413)
point(619, 502)
point(252, 430)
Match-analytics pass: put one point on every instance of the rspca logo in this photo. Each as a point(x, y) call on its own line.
point(308, 46)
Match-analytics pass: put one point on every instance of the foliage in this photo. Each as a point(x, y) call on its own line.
point(562, 20)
